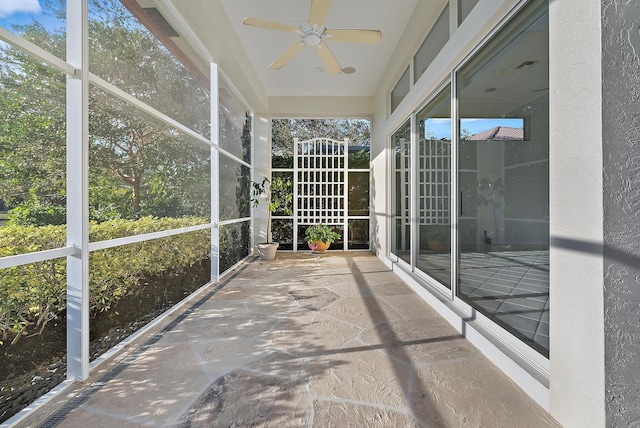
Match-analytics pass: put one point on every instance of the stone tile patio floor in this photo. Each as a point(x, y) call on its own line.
point(336, 340)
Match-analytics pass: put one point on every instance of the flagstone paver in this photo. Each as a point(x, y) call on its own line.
point(300, 341)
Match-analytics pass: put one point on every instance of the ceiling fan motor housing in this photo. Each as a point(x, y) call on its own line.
point(311, 36)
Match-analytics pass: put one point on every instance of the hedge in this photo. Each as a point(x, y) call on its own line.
point(33, 294)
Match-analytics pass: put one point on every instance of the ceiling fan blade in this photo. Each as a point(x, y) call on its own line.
point(255, 22)
point(319, 11)
point(357, 36)
point(286, 56)
point(328, 59)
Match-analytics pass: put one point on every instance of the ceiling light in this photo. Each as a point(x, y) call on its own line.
point(348, 70)
point(527, 64)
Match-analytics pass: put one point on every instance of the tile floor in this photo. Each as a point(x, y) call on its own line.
point(301, 341)
point(510, 287)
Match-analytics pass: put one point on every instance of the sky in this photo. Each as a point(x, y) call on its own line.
point(20, 12)
point(11, 7)
point(442, 127)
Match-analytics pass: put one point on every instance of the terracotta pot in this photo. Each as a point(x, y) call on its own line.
point(321, 247)
point(438, 246)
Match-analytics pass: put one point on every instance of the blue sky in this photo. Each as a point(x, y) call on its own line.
point(442, 127)
point(20, 12)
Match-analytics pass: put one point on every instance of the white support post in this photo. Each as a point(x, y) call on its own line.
point(345, 214)
point(455, 197)
point(413, 202)
point(215, 168)
point(78, 191)
point(296, 171)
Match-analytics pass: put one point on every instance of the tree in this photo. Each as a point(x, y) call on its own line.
point(32, 123)
point(143, 154)
point(283, 131)
point(136, 163)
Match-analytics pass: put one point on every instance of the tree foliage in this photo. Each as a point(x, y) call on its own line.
point(283, 131)
point(137, 165)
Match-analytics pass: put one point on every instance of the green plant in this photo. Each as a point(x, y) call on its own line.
point(278, 194)
point(320, 232)
point(31, 295)
point(439, 232)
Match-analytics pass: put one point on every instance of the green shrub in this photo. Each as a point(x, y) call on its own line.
point(36, 214)
point(31, 295)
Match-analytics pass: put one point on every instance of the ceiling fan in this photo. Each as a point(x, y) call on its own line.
point(314, 33)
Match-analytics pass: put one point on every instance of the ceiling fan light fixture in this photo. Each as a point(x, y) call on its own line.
point(312, 39)
point(313, 33)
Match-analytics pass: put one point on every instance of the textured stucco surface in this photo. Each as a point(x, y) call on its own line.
point(621, 150)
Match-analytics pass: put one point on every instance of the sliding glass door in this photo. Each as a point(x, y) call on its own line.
point(434, 188)
point(503, 176)
point(491, 165)
point(401, 193)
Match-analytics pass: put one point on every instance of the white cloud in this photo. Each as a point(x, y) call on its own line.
point(9, 7)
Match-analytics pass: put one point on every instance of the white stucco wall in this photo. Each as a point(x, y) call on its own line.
point(576, 314)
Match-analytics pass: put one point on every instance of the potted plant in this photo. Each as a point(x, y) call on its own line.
point(439, 237)
point(320, 236)
point(278, 195)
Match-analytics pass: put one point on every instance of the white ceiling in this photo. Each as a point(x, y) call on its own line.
point(300, 77)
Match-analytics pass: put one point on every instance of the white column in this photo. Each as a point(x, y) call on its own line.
point(215, 182)
point(78, 191)
point(577, 389)
point(296, 171)
point(413, 202)
point(345, 213)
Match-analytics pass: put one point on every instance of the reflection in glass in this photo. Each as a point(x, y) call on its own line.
point(401, 193)
point(504, 179)
point(434, 188)
point(141, 167)
point(123, 52)
point(235, 124)
point(234, 244)
point(32, 330)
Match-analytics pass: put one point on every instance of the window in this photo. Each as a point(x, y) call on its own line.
point(432, 44)
point(464, 8)
point(400, 90)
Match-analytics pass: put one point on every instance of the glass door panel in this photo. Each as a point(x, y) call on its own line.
point(401, 193)
point(434, 189)
point(503, 265)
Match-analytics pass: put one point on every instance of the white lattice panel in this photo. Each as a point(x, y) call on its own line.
point(320, 180)
point(434, 182)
